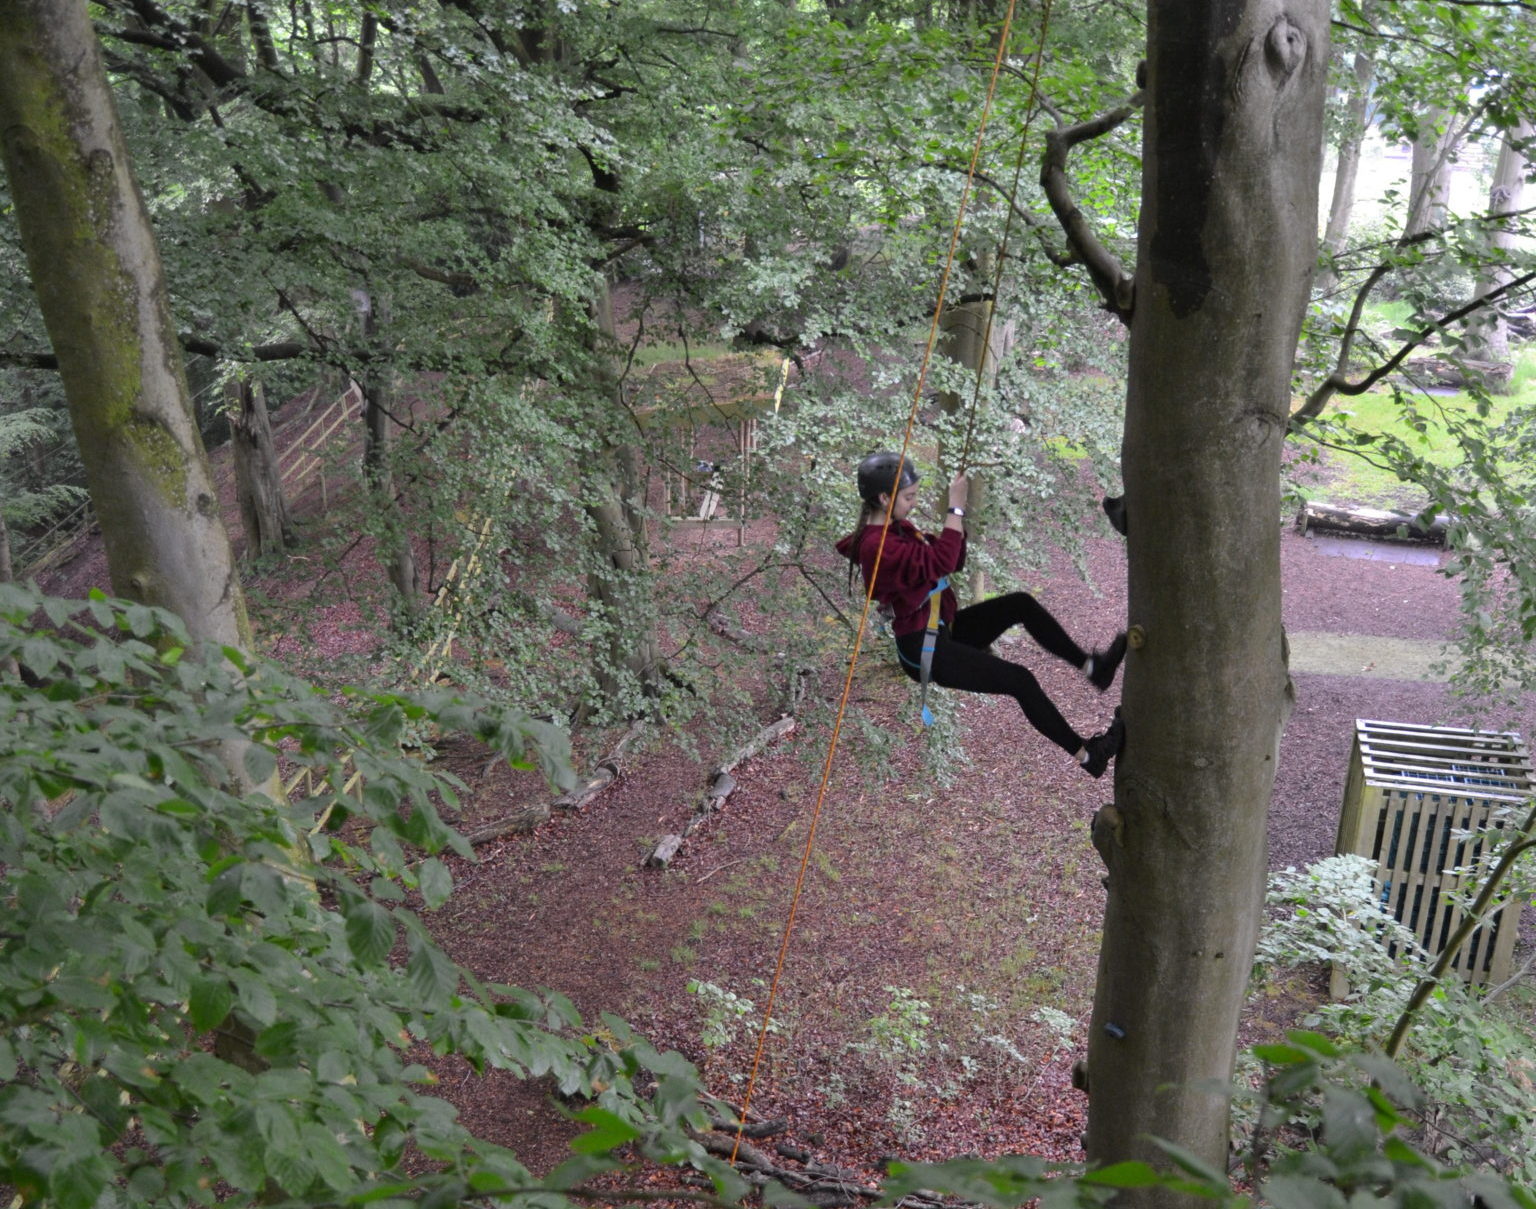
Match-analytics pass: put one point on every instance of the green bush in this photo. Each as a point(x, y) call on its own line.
point(1473, 1058)
point(207, 997)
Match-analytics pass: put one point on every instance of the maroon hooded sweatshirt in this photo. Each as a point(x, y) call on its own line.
point(912, 564)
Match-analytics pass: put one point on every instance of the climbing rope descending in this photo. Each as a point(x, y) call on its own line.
point(858, 642)
point(1002, 246)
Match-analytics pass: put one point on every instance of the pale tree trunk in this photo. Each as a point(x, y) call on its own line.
point(965, 341)
point(1231, 160)
point(1488, 334)
point(9, 668)
point(1347, 171)
point(258, 477)
point(1429, 185)
point(99, 283)
point(620, 585)
point(7, 568)
point(394, 550)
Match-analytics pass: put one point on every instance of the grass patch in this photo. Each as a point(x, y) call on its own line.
point(657, 354)
point(1425, 422)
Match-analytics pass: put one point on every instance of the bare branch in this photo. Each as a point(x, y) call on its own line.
point(1115, 285)
point(285, 350)
point(1338, 384)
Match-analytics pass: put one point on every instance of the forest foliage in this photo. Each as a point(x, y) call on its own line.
point(481, 178)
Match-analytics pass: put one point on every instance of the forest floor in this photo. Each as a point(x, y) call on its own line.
point(978, 896)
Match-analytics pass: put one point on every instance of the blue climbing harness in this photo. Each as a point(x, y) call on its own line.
point(930, 641)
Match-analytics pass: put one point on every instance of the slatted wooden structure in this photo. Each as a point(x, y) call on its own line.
point(684, 397)
point(1421, 801)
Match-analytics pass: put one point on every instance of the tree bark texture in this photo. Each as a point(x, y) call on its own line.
point(258, 477)
point(100, 285)
point(394, 550)
point(1231, 159)
point(1429, 184)
point(1488, 333)
point(967, 341)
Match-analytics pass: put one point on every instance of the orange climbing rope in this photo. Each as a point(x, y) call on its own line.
point(858, 642)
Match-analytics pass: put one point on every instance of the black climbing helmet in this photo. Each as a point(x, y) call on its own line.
point(884, 472)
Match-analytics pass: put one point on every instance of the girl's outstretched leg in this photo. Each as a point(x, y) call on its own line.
point(980, 625)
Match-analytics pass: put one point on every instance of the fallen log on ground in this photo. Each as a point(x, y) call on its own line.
point(607, 771)
point(1372, 522)
point(825, 1185)
point(719, 787)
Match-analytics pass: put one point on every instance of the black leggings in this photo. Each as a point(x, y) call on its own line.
point(962, 660)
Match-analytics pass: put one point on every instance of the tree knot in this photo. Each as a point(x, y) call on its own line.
point(1285, 47)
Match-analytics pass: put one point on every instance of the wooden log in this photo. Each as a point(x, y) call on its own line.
point(771, 733)
point(719, 787)
point(1372, 522)
point(666, 848)
point(522, 821)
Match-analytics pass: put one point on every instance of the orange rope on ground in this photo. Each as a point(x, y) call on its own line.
point(858, 641)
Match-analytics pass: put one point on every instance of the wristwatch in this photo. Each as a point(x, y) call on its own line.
point(957, 511)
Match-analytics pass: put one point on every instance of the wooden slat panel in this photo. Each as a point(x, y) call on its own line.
point(1422, 801)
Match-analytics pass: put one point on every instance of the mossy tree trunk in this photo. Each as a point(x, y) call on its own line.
point(394, 550)
point(1228, 236)
point(1429, 184)
point(621, 583)
point(97, 272)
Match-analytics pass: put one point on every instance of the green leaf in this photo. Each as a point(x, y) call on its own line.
point(255, 996)
point(1129, 1174)
point(434, 881)
point(260, 764)
point(370, 931)
point(608, 1132)
point(1283, 1055)
point(77, 1180)
point(1301, 1192)
point(1315, 1042)
point(210, 1002)
point(1193, 1164)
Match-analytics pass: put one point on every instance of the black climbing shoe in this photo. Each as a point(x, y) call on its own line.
point(1114, 509)
point(1103, 748)
point(1107, 662)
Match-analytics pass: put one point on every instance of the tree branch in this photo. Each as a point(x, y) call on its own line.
point(1338, 384)
point(285, 350)
point(1114, 284)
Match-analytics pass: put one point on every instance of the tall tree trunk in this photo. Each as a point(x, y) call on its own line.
point(258, 477)
point(7, 567)
point(395, 551)
point(9, 668)
point(1429, 185)
point(965, 341)
point(620, 584)
point(1347, 171)
point(101, 288)
point(1488, 335)
point(1231, 160)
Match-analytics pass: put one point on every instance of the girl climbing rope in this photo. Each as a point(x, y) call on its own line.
point(912, 585)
